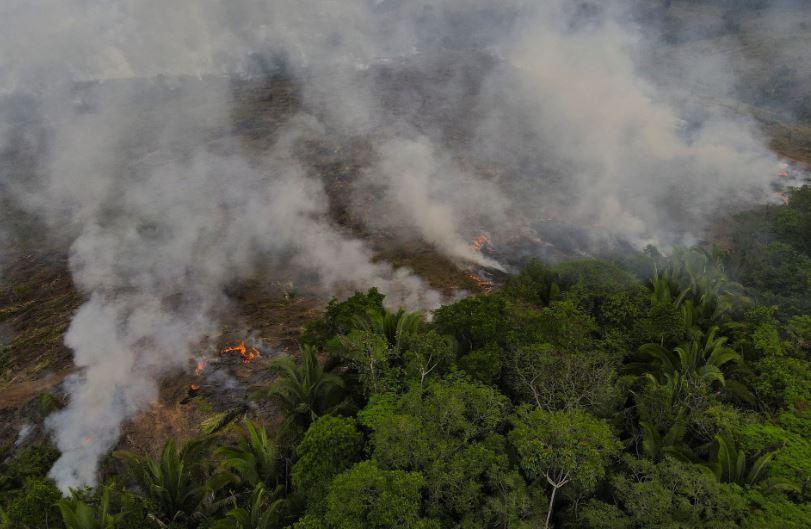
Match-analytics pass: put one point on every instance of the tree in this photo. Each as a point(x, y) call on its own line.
point(76, 514)
point(304, 393)
point(340, 317)
point(262, 510)
point(668, 493)
point(426, 354)
point(448, 431)
point(474, 322)
point(368, 354)
point(535, 284)
point(702, 356)
point(395, 327)
point(730, 465)
point(367, 497)
point(255, 458)
point(657, 446)
point(562, 447)
point(782, 382)
point(554, 379)
point(34, 505)
point(176, 483)
point(329, 446)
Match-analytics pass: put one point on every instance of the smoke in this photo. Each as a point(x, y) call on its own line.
point(599, 144)
point(429, 196)
point(476, 117)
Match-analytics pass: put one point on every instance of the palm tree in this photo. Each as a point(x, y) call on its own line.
point(698, 276)
point(703, 356)
point(656, 445)
point(395, 327)
point(255, 459)
point(262, 511)
point(76, 514)
point(306, 392)
point(666, 292)
point(176, 483)
point(730, 465)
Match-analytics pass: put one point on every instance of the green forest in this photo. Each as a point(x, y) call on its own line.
point(638, 391)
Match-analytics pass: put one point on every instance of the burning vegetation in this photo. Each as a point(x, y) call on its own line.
point(247, 354)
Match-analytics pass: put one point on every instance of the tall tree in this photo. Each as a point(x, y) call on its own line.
point(563, 448)
point(304, 392)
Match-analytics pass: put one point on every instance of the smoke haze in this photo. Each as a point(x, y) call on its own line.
point(476, 117)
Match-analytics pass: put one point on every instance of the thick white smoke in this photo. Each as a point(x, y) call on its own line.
point(163, 206)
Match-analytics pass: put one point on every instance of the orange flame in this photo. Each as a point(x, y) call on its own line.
point(480, 242)
point(194, 387)
point(201, 366)
point(248, 355)
point(483, 284)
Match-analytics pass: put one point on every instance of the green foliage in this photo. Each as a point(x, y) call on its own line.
point(782, 382)
point(330, 446)
point(429, 354)
point(567, 327)
point(604, 291)
point(769, 511)
point(798, 330)
point(778, 268)
point(368, 497)
point(702, 357)
point(772, 254)
point(507, 411)
point(306, 392)
point(394, 327)
point(449, 432)
point(262, 510)
point(730, 464)
point(368, 354)
point(34, 505)
point(76, 514)
point(535, 284)
point(669, 444)
point(670, 493)
point(563, 446)
point(256, 457)
point(474, 322)
point(555, 379)
point(175, 484)
point(484, 364)
point(792, 461)
point(31, 462)
point(340, 317)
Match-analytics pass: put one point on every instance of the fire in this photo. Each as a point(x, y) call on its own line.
point(194, 387)
point(484, 285)
point(481, 242)
point(201, 366)
point(248, 355)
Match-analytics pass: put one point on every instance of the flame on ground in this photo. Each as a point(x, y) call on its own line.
point(248, 355)
point(481, 243)
point(485, 285)
point(193, 387)
point(201, 366)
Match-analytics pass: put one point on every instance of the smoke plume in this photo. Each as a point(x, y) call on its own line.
point(476, 117)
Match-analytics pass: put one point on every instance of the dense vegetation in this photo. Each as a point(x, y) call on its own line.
point(649, 391)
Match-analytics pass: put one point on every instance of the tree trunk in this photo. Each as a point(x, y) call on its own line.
point(551, 502)
point(556, 483)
